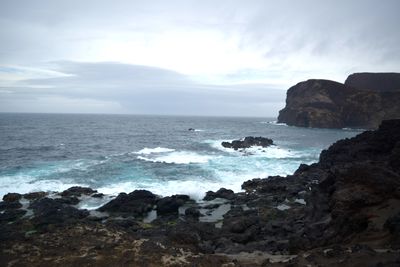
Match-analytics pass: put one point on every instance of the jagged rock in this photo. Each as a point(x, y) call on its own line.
point(10, 205)
point(12, 197)
point(192, 212)
point(136, 203)
point(35, 195)
point(170, 205)
point(53, 212)
point(77, 191)
point(221, 193)
point(329, 104)
point(247, 142)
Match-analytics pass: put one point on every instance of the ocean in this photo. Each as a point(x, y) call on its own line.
point(121, 153)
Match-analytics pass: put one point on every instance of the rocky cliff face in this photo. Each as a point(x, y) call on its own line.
point(380, 82)
point(329, 104)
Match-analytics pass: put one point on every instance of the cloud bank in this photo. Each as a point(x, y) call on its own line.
point(191, 53)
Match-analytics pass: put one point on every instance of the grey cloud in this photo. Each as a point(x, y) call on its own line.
point(147, 90)
point(332, 38)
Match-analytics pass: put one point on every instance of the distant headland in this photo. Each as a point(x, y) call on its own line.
point(363, 101)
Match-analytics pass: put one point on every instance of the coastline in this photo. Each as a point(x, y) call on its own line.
point(345, 208)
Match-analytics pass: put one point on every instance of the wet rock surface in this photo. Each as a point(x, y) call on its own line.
point(342, 210)
point(248, 142)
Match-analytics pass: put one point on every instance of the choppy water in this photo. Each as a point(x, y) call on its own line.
point(120, 153)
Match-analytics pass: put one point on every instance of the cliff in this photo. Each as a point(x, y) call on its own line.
point(360, 103)
point(380, 82)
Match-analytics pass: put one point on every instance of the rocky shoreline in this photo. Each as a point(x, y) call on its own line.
point(343, 210)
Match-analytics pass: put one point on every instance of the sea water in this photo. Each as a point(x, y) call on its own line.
point(121, 153)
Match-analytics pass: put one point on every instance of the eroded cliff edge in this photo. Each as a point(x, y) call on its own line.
point(364, 101)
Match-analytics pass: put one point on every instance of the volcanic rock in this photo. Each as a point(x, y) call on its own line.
point(247, 142)
point(136, 203)
point(329, 104)
point(380, 82)
point(168, 205)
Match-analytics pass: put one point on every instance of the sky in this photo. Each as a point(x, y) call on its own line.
point(212, 58)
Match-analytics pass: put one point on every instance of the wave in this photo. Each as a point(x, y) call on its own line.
point(274, 123)
point(179, 157)
point(148, 151)
point(27, 184)
point(272, 152)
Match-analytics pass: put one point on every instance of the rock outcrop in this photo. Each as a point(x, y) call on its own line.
point(248, 142)
point(360, 103)
point(379, 82)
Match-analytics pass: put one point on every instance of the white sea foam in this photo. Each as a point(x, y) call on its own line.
point(179, 157)
point(273, 152)
point(28, 184)
point(148, 151)
point(274, 123)
point(196, 189)
point(90, 203)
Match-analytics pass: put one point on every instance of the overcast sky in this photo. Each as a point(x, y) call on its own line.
point(186, 57)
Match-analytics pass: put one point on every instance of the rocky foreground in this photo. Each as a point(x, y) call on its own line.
point(363, 101)
point(343, 210)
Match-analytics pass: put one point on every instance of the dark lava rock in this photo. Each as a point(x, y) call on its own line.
point(221, 193)
point(329, 104)
point(359, 177)
point(240, 224)
point(393, 225)
point(77, 191)
point(136, 203)
point(98, 195)
point(380, 82)
point(52, 211)
point(247, 142)
point(168, 205)
point(192, 212)
point(35, 195)
point(68, 200)
point(12, 197)
point(11, 215)
point(10, 205)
